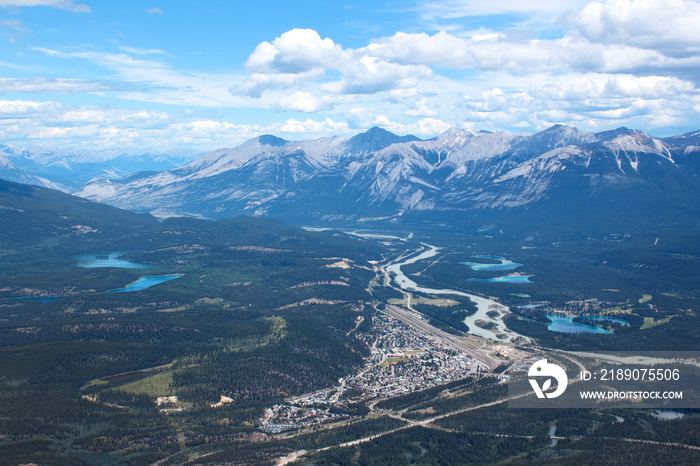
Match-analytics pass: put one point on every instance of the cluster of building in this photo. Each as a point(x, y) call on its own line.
point(281, 418)
point(402, 361)
point(170, 404)
point(582, 307)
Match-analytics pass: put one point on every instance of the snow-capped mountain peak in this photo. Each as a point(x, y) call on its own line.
point(380, 174)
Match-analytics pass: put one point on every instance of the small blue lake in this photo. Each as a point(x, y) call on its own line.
point(503, 265)
point(504, 279)
point(141, 284)
point(43, 299)
point(108, 260)
point(566, 324)
point(144, 282)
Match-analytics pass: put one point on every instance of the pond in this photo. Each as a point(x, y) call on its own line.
point(566, 324)
point(43, 299)
point(141, 284)
point(144, 282)
point(504, 264)
point(504, 279)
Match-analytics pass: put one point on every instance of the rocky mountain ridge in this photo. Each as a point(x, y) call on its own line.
point(378, 174)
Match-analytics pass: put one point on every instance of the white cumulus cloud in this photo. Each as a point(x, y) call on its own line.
point(303, 102)
point(600, 86)
point(300, 55)
point(257, 83)
point(420, 108)
point(669, 26)
point(295, 51)
point(369, 75)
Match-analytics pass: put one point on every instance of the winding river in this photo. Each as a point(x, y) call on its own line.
point(498, 330)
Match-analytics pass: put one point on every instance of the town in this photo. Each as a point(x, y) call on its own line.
point(403, 360)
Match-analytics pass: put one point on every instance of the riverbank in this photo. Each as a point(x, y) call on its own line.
point(492, 326)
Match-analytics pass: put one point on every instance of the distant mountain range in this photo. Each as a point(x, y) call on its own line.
point(622, 176)
point(69, 169)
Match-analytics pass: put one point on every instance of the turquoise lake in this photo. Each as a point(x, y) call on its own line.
point(504, 264)
point(504, 279)
point(144, 282)
point(42, 299)
point(108, 260)
point(566, 324)
point(140, 284)
point(111, 260)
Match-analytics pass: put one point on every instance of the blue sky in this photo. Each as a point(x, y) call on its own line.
point(209, 74)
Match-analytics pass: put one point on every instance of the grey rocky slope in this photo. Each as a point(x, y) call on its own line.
point(379, 175)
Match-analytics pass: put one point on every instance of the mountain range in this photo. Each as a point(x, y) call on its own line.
point(69, 169)
point(378, 175)
point(619, 176)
